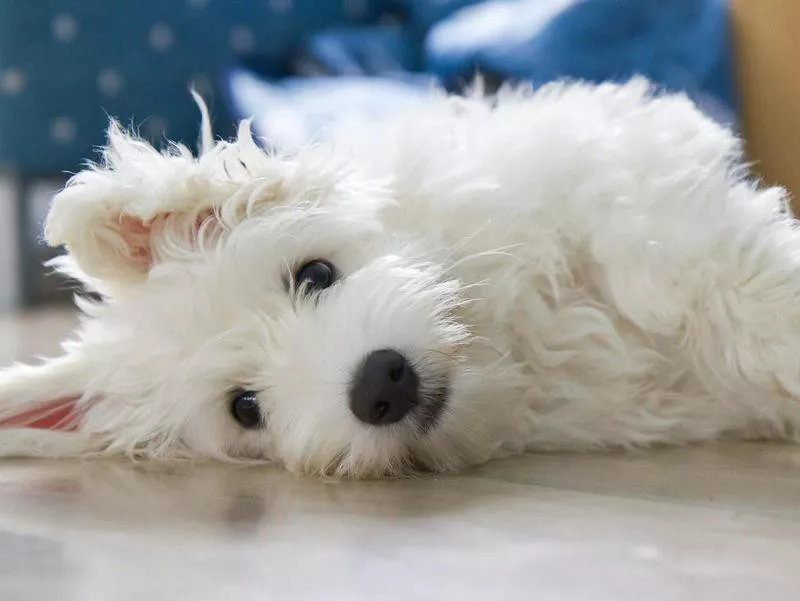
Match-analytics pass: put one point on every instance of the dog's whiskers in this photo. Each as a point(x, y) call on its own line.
point(450, 355)
point(333, 468)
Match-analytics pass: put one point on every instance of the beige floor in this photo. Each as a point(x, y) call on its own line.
point(720, 522)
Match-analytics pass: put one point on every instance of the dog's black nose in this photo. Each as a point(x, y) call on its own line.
point(385, 389)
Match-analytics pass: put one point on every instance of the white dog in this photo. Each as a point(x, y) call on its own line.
point(576, 268)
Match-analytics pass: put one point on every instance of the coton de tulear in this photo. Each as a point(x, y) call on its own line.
point(578, 268)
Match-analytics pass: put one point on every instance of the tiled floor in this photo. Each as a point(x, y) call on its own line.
point(720, 522)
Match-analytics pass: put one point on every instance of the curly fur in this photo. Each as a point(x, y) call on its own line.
point(583, 266)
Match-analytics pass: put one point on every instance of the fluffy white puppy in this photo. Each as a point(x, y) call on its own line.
point(576, 268)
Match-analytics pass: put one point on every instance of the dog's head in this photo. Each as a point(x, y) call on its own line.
point(252, 307)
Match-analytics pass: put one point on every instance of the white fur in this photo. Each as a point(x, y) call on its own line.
point(585, 267)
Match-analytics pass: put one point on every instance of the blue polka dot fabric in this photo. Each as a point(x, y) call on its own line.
point(65, 66)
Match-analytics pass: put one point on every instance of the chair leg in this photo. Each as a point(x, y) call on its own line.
point(10, 241)
point(37, 285)
point(27, 243)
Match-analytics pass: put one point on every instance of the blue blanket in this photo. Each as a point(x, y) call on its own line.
point(681, 45)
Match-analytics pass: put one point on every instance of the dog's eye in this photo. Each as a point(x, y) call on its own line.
point(245, 410)
point(315, 275)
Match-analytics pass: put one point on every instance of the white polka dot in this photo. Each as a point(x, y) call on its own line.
point(280, 6)
point(63, 129)
point(12, 81)
point(64, 28)
point(242, 40)
point(197, 4)
point(355, 9)
point(161, 37)
point(202, 84)
point(155, 127)
point(110, 82)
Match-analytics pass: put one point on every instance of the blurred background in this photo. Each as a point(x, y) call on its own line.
point(297, 66)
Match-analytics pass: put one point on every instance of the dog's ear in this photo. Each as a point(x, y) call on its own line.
point(42, 408)
point(115, 218)
point(138, 205)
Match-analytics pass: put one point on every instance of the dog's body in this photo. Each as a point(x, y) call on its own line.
point(580, 268)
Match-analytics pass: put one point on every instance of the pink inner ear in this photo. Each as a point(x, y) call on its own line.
point(136, 235)
point(61, 415)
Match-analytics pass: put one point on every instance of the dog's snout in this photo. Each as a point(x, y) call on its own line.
point(385, 388)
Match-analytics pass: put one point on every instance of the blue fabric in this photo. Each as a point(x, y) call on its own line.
point(292, 112)
point(682, 45)
point(359, 51)
point(66, 65)
point(421, 15)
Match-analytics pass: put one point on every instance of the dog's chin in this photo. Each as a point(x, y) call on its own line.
point(422, 422)
point(407, 436)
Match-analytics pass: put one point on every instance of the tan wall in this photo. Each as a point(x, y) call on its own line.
point(767, 43)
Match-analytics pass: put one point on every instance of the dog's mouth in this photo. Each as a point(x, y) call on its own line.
point(409, 432)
